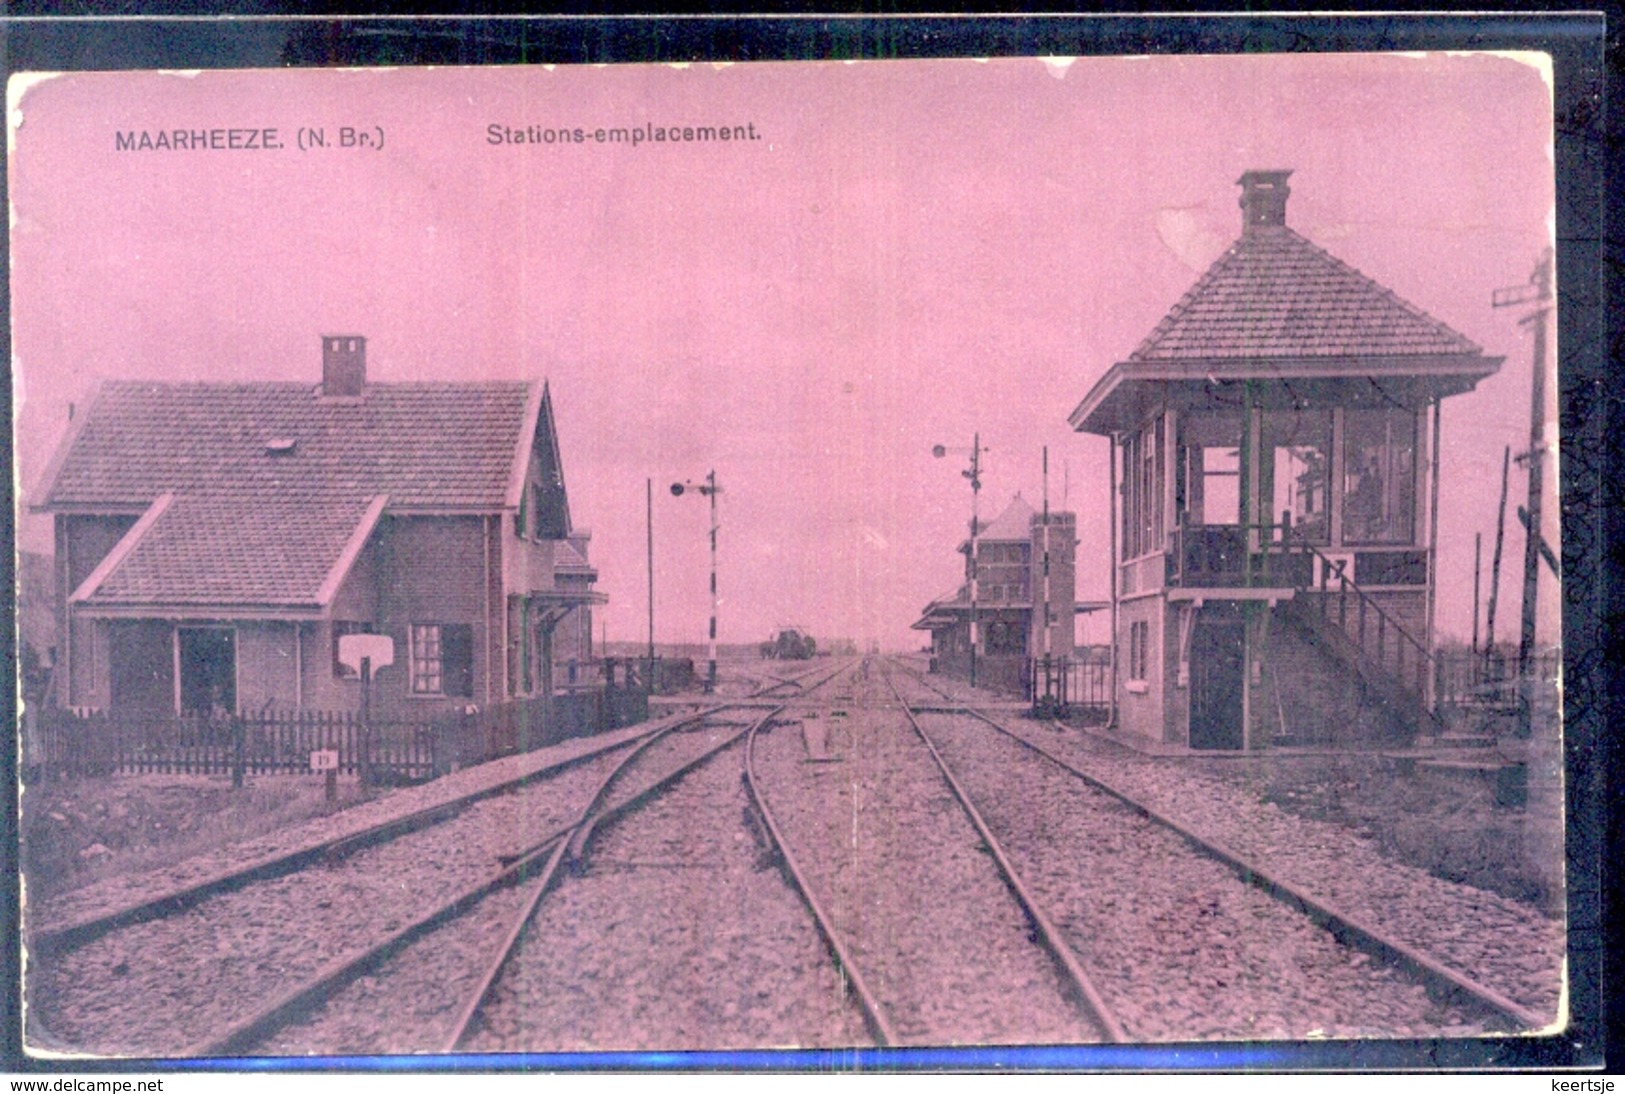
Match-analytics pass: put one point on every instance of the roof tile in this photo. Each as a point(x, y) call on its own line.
point(271, 480)
point(1275, 294)
point(426, 445)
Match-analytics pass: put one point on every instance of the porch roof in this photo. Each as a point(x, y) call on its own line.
point(271, 551)
point(550, 606)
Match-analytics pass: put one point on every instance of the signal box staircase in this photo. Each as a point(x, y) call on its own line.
point(1392, 666)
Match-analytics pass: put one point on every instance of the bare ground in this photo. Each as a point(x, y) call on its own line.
point(1449, 824)
point(75, 832)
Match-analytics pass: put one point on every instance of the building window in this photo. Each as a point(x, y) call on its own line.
point(1139, 638)
point(1142, 472)
point(1297, 447)
point(1006, 638)
point(1207, 490)
point(442, 659)
point(1379, 476)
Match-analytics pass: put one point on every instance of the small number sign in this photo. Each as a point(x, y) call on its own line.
point(324, 759)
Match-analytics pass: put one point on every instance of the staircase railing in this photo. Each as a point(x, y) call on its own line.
point(1412, 663)
point(1281, 555)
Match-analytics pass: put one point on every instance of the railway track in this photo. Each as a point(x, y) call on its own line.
point(697, 943)
point(974, 884)
point(534, 992)
point(164, 974)
point(77, 928)
point(1211, 961)
point(797, 684)
point(874, 838)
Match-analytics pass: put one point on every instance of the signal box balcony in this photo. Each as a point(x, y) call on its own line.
point(1237, 557)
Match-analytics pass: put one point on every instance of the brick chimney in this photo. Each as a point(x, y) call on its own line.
point(344, 365)
point(1263, 199)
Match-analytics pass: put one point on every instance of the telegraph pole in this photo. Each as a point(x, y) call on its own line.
point(711, 664)
point(1049, 683)
point(1478, 555)
point(1539, 293)
point(649, 526)
point(975, 476)
point(1495, 561)
point(1046, 556)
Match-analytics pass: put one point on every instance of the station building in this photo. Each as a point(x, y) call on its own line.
point(1006, 562)
point(1274, 498)
point(215, 541)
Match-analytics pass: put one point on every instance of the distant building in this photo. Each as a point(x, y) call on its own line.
point(1008, 569)
point(1275, 445)
point(214, 541)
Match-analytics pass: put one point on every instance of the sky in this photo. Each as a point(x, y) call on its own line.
point(908, 253)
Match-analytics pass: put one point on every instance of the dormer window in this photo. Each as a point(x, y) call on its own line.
point(280, 446)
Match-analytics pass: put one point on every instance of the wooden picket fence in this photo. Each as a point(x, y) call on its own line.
point(68, 744)
point(61, 743)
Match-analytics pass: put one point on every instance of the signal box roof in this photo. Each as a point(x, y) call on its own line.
point(1276, 307)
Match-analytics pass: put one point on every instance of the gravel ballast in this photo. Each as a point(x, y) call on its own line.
point(167, 985)
point(1179, 946)
point(679, 935)
point(683, 932)
point(909, 886)
point(1511, 947)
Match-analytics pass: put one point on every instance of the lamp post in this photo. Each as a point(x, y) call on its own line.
point(710, 489)
point(974, 474)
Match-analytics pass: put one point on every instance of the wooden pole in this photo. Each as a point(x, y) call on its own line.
point(649, 525)
point(1478, 560)
point(1495, 559)
point(1430, 680)
point(975, 496)
point(1536, 462)
point(711, 665)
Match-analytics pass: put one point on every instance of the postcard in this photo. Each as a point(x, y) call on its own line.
point(977, 554)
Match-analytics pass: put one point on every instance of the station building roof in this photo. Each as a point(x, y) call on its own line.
point(252, 497)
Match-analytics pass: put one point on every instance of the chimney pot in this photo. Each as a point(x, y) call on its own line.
point(1263, 199)
point(344, 364)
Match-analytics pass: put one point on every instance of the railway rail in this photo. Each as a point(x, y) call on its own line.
point(506, 940)
point(648, 895)
point(49, 941)
point(949, 970)
point(1349, 929)
point(571, 846)
point(212, 933)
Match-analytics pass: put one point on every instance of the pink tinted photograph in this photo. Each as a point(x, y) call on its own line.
point(798, 555)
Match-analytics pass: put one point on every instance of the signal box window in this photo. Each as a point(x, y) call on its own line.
point(1379, 476)
point(1298, 445)
point(1208, 487)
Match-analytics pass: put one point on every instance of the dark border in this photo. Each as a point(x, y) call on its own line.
point(1587, 71)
